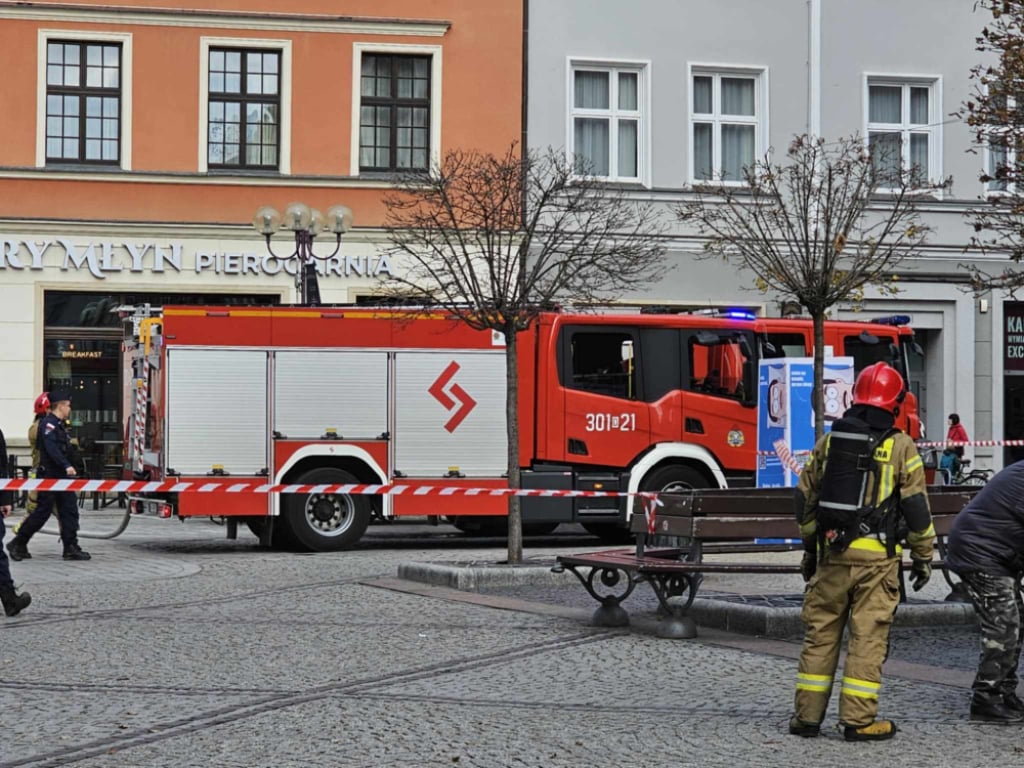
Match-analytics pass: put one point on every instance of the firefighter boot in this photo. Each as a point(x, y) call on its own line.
point(994, 708)
point(75, 552)
point(879, 730)
point(17, 548)
point(798, 727)
point(13, 602)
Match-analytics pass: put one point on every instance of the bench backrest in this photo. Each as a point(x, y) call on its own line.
point(740, 514)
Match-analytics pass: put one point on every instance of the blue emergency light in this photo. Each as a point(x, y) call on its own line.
point(740, 314)
point(892, 320)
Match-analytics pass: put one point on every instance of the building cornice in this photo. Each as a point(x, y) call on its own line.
point(196, 179)
point(267, 22)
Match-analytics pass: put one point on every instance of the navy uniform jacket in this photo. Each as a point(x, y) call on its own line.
point(54, 447)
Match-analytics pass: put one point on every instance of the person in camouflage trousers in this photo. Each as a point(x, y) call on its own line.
point(986, 549)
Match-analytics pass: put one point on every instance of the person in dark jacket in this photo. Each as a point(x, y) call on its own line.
point(56, 462)
point(13, 602)
point(986, 549)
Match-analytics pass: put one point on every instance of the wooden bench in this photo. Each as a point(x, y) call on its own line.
point(745, 520)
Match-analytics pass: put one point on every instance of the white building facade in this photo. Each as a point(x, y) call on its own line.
point(660, 95)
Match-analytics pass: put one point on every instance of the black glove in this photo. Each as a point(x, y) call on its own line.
point(808, 565)
point(920, 573)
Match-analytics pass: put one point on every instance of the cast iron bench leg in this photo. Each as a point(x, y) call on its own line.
point(677, 624)
point(611, 613)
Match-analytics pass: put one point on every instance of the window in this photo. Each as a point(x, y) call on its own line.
point(719, 364)
point(244, 88)
point(395, 112)
point(602, 363)
point(83, 102)
point(902, 128)
point(726, 115)
point(607, 121)
point(1001, 154)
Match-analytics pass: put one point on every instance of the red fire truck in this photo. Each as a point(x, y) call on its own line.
point(347, 394)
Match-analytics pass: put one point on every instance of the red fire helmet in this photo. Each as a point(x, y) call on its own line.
point(42, 406)
point(879, 385)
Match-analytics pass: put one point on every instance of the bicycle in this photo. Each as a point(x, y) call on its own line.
point(957, 475)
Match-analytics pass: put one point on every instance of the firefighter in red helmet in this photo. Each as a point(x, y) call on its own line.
point(862, 490)
point(41, 408)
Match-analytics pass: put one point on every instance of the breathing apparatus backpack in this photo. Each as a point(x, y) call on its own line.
point(845, 512)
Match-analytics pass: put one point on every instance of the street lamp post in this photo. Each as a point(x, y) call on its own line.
point(306, 223)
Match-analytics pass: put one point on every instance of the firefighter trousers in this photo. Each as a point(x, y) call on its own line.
point(861, 595)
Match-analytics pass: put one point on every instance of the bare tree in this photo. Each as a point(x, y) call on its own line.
point(495, 240)
point(995, 112)
point(821, 227)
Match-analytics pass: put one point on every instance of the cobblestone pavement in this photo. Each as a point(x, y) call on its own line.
point(176, 647)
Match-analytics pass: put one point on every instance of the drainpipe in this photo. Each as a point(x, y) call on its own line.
point(814, 67)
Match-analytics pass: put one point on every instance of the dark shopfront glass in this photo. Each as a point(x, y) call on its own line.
point(82, 354)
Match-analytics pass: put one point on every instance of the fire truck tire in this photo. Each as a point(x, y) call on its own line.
point(326, 522)
point(674, 478)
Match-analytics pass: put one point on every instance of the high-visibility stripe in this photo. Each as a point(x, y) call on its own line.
point(928, 533)
point(870, 544)
point(886, 483)
point(863, 689)
point(816, 683)
point(913, 464)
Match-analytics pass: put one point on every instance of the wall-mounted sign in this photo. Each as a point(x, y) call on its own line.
point(104, 258)
point(1013, 336)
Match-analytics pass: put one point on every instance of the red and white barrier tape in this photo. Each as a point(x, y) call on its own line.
point(968, 443)
point(253, 486)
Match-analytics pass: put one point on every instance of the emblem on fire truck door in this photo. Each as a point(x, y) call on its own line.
point(453, 397)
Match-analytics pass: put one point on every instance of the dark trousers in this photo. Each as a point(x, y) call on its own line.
point(6, 582)
point(67, 513)
point(998, 605)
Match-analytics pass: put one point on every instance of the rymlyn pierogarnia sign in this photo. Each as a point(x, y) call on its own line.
point(107, 257)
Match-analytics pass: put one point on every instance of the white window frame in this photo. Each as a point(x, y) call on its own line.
point(284, 151)
point(933, 127)
point(436, 70)
point(1011, 158)
point(124, 39)
point(641, 68)
point(760, 118)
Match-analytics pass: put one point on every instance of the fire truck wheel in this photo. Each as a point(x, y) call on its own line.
point(674, 478)
point(326, 522)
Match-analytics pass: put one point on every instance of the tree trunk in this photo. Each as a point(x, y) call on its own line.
point(819, 374)
point(515, 516)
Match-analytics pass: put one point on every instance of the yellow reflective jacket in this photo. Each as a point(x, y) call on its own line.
point(901, 471)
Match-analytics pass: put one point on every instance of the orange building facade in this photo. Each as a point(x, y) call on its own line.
point(138, 142)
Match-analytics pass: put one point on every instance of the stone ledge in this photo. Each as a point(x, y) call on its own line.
point(773, 621)
point(476, 575)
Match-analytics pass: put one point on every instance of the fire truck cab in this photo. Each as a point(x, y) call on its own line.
point(335, 395)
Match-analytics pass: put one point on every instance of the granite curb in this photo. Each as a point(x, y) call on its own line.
point(477, 575)
point(725, 611)
point(779, 622)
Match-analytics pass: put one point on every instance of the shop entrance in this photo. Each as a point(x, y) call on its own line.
point(82, 355)
point(1013, 416)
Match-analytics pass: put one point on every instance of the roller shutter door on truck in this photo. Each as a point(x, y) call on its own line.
point(216, 411)
point(319, 390)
